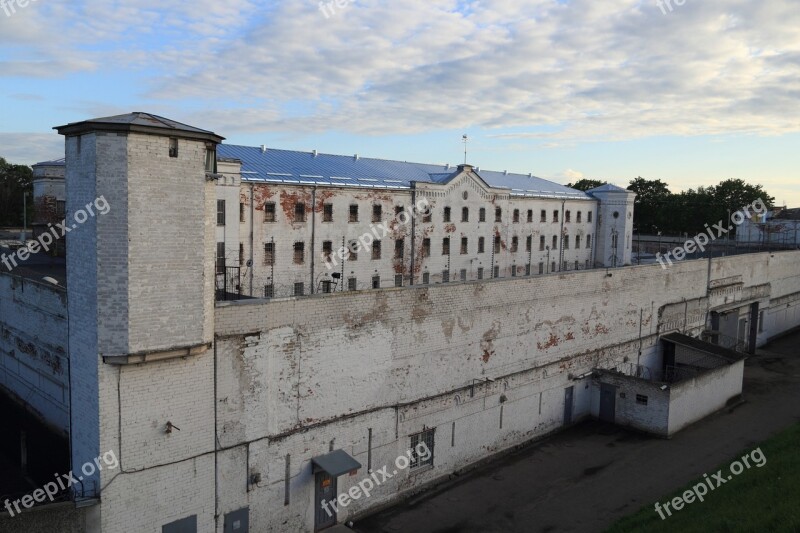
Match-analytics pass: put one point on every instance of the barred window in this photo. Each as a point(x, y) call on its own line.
point(299, 253)
point(300, 212)
point(269, 253)
point(482, 215)
point(422, 445)
point(220, 212)
point(269, 212)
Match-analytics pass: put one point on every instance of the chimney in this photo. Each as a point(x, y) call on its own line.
point(313, 153)
point(263, 148)
point(356, 158)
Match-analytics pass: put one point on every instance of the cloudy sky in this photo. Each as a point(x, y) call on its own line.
point(612, 89)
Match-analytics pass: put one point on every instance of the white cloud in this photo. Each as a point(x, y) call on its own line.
point(29, 148)
point(585, 69)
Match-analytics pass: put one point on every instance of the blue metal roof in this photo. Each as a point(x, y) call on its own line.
point(287, 166)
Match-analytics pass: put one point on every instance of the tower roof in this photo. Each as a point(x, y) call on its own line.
point(608, 187)
point(141, 123)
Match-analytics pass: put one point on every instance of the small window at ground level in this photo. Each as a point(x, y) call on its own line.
point(422, 449)
point(641, 399)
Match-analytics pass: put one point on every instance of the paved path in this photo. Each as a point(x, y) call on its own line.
point(587, 477)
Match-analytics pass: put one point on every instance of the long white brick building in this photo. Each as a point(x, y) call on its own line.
point(239, 384)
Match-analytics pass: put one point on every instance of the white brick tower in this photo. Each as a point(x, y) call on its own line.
point(140, 283)
point(614, 225)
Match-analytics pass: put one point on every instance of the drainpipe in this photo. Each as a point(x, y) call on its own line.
point(561, 238)
point(313, 233)
point(413, 229)
point(252, 236)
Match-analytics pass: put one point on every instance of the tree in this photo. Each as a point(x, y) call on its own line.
point(652, 198)
point(586, 184)
point(15, 180)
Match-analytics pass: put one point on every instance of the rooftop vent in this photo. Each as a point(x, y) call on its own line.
point(356, 158)
point(505, 173)
point(530, 175)
point(447, 167)
point(263, 148)
point(314, 153)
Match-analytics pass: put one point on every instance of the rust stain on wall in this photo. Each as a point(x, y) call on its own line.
point(551, 341)
point(487, 341)
point(290, 199)
point(261, 194)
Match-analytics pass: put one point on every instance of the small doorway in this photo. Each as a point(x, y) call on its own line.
point(568, 395)
point(608, 403)
point(325, 501)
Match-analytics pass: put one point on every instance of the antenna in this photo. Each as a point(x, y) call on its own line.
point(465, 139)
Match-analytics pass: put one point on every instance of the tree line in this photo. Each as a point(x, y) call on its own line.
point(15, 180)
point(657, 209)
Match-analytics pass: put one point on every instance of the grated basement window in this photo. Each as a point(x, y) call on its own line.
point(425, 442)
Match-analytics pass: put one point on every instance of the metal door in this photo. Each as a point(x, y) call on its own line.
point(237, 521)
point(608, 402)
point(325, 494)
point(568, 393)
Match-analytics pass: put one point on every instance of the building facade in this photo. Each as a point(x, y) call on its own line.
point(234, 409)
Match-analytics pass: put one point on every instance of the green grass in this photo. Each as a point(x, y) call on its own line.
point(765, 499)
